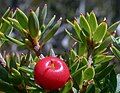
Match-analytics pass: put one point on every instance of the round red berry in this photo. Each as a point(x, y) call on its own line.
point(51, 73)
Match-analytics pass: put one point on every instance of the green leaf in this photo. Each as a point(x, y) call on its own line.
point(49, 24)
point(99, 76)
point(77, 71)
point(15, 72)
point(51, 33)
point(104, 45)
point(93, 22)
point(15, 24)
point(33, 24)
point(91, 89)
point(101, 67)
point(113, 27)
point(6, 87)
point(89, 73)
point(21, 18)
point(7, 13)
point(26, 70)
point(44, 13)
point(76, 28)
point(3, 73)
point(102, 58)
point(100, 32)
point(67, 87)
point(115, 51)
point(113, 79)
point(85, 26)
point(79, 78)
point(15, 40)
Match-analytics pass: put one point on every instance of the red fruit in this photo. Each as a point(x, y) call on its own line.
point(51, 73)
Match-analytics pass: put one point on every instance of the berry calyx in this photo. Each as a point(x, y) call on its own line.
point(51, 73)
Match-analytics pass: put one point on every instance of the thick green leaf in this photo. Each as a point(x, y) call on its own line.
point(99, 76)
point(89, 73)
point(91, 89)
point(49, 24)
point(7, 13)
point(104, 45)
point(115, 51)
point(3, 73)
point(67, 87)
point(76, 28)
point(26, 70)
point(44, 13)
point(113, 27)
point(16, 25)
point(100, 32)
point(6, 87)
point(15, 40)
point(51, 33)
point(85, 26)
point(79, 78)
point(33, 24)
point(21, 18)
point(93, 22)
point(77, 71)
point(113, 79)
point(102, 58)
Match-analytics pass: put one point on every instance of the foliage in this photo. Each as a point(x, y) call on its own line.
point(88, 59)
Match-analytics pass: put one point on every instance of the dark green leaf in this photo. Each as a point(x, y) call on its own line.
point(99, 76)
point(51, 33)
point(22, 18)
point(3, 73)
point(44, 13)
point(104, 45)
point(91, 89)
point(115, 51)
point(113, 27)
point(33, 24)
point(14, 40)
point(67, 87)
point(6, 87)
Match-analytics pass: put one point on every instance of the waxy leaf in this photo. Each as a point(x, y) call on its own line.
point(7, 13)
point(33, 24)
point(102, 58)
point(6, 87)
point(76, 27)
point(14, 40)
point(85, 26)
point(51, 33)
point(91, 89)
point(15, 24)
point(99, 76)
point(89, 73)
point(44, 13)
point(115, 51)
point(67, 87)
point(104, 45)
point(21, 18)
point(93, 22)
point(113, 27)
point(100, 32)
point(48, 25)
